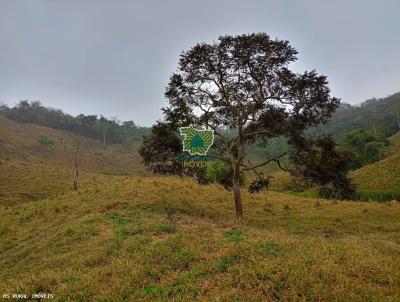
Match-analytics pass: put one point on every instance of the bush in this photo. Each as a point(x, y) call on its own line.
point(222, 173)
point(45, 141)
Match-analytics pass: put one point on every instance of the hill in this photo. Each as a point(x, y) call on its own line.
point(108, 130)
point(379, 181)
point(23, 159)
point(21, 142)
point(381, 116)
point(383, 175)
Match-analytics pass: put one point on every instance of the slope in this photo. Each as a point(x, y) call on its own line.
point(20, 142)
point(383, 175)
point(156, 239)
point(31, 171)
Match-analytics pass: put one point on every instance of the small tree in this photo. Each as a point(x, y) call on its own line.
point(73, 153)
point(243, 84)
point(160, 152)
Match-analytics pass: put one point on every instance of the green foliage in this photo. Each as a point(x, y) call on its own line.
point(269, 248)
point(379, 118)
point(161, 152)
point(221, 173)
point(111, 131)
point(45, 141)
point(367, 147)
point(223, 264)
point(319, 162)
point(241, 83)
point(271, 148)
point(260, 183)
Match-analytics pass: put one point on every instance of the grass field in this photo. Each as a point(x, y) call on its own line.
point(129, 236)
point(162, 238)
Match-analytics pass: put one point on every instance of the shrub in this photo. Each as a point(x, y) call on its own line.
point(45, 141)
point(222, 173)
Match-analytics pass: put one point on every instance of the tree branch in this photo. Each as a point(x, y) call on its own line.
point(275, 159)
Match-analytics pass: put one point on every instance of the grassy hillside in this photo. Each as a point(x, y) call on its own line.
point(383, 175)
point(377, 181)
point(20, 142)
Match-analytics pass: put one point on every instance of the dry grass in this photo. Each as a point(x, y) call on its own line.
point(163, 238)
point(20, 142)
point(142, 238)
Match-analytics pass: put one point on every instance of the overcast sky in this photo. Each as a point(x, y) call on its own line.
point(114, 57)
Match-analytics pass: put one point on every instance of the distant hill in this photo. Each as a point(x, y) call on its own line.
point(22, 142)
point(110, 131)
point(381, 116)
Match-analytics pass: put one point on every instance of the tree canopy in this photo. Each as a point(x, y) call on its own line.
point(242, 85)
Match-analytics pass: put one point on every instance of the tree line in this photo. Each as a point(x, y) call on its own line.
point(380, 116)
point(110, 131)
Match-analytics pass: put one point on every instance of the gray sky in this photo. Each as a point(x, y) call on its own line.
point(115, 57)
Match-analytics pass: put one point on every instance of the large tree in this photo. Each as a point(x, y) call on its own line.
point(242, 85)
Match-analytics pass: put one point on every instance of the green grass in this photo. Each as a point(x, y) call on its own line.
point(44, 140)
point(379, 195)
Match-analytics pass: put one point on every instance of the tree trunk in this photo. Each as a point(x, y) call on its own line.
point(75, 170)
point(238, 203)
point(237, 194)
point(75, 173)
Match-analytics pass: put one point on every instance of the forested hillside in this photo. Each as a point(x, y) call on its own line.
point(381, 116)
point(109, 131)
point(364, 129)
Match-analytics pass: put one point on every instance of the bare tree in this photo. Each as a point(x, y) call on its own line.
point(73, 153)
